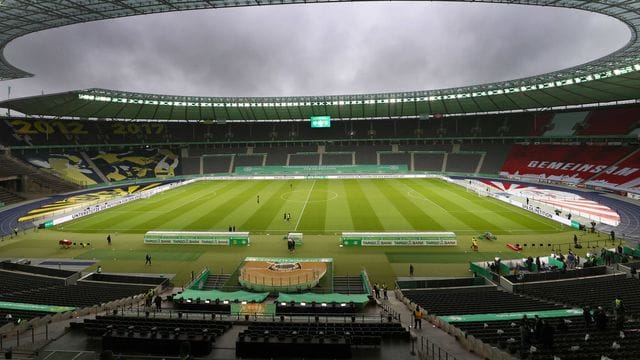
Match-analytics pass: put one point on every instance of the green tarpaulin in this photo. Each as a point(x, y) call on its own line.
point(213, 295)
point(323, 298)
point(511, 316)
point(4, 305)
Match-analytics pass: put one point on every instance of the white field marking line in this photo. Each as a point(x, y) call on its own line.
point(422, 197)
point(123, 231)
point(527, 213)
point(120, 211)
point(504, 205)
point(305, 205)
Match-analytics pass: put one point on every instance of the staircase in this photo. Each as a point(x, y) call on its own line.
point(348, 285)
point(7, 197)
point(215, 282)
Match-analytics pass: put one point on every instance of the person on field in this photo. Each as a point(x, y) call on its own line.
point(411, 270)
point(474, 244)
point(147, 260)
point(109, 239)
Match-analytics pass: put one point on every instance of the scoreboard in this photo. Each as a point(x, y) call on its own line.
point(320, 121)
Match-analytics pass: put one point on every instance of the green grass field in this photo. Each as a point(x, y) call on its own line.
point(321, 209)
point(317, 207)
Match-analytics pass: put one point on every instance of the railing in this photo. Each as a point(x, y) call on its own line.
point(24, 336)
point(390, 313)
point(142, 311)
point(431, 351)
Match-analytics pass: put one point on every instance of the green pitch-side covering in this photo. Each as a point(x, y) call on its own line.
point(5, 305)
point(575, 224)
point(633, 252)
point(323, 298)
point(511, 316)
point(213, 295)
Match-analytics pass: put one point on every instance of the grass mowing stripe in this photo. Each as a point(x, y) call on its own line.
point(516, 216)
point(337, 215)
point(156, 254)
point(363, 216)
point(186, 202)
point(548, 224)
point(197, 201)
point(472, 220)
point(119, 215)
point(316, 212)
point(212, 219)
point(264, 215)
point(305, 205)
point(418, 218)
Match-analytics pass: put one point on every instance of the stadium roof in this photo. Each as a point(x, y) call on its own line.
point(610, 79)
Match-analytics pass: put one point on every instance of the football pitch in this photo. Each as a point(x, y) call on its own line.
point(321, 209)
point(317, 207)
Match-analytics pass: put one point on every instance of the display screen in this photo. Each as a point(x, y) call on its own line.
point(320, 121)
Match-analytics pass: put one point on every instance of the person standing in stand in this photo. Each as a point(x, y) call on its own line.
point(417, 318)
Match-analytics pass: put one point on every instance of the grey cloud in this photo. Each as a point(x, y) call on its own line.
point(313, 49)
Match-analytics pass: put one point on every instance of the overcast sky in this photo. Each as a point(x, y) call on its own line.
point(318, 49)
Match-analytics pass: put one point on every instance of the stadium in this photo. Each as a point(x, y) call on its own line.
point(493, 221)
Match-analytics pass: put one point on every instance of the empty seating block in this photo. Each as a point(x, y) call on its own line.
point(593, 291)
point(310, 340)
point(155, 336)
point(473, 300)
